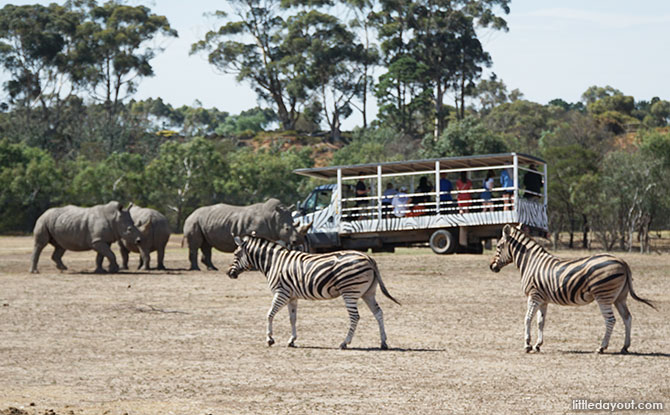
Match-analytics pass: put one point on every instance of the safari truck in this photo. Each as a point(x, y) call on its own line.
point(415, 202)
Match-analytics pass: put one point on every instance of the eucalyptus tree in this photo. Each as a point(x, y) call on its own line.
point(441, 35)
point(331, 56)
point(37, 53)
point(250, 45)
point(116, 41)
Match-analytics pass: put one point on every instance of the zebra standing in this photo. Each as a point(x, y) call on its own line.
point(548, 279)
point(294, 275)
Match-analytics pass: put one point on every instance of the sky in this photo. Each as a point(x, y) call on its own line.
point(551, 50)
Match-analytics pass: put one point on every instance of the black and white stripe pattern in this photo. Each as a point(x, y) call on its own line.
point(294, 275)
point(547, 279)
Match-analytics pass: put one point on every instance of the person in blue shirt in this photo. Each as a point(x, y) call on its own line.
point(445, 192)
point(507, 181)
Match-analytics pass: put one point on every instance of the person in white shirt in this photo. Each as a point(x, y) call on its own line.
point(387, 200)
point(400, 201)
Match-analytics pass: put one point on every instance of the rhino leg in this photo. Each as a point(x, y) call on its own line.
point(207, 256)
point(144, 259)
point(160, 255)
point(193, 258)
point(57, 256)
point(42, 237)
point(194, 239)
point(124, 256)
point(104, 251)
point(34, 259)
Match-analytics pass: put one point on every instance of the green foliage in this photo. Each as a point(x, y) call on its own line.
point(464, 138)
point(118, 177)
point(250, 121)
point(521, 124)
point(257, 176)
point(30, 182)
point(404, 96)
point(184, 176)
point(374, 146)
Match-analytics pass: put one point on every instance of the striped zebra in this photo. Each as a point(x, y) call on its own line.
point(294, 275)
point(548, 279)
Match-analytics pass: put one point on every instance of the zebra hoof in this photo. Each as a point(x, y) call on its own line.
point(600, 350)
point(384, 346)
point(291, 344)
point(528, 348)
point(343, 346)
point(536, 348)
point(271, 341)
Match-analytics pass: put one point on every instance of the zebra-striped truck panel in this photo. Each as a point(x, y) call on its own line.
point(294, 275)
point(547, 279)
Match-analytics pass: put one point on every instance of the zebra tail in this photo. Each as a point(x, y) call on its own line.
point(629, 281)
point(381, 284)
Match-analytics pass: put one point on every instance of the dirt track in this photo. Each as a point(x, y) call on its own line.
point(193, 342)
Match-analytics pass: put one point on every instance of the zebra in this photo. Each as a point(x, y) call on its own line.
point(548, 279)
point(294, 275)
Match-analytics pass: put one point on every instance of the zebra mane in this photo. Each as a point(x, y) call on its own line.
point(526, 241)
point(261, 241)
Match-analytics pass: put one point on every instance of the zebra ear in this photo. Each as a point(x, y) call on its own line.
point(507, 230)
point(238, 240)
point(253, 233)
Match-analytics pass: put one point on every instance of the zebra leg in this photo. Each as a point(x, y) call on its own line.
point(379, 315)
point(350, 302)
point(627, 320)
point(530, 313)
point(293, 315)
point(278, 301)
point(540, 326)
point(608, 315)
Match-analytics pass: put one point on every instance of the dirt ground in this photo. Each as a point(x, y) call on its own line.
point(180, 342)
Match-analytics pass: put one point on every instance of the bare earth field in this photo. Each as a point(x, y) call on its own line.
point(180, 342)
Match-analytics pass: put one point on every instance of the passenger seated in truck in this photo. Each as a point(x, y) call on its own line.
point(400, 203)
point(387, 200)
point(446, 201)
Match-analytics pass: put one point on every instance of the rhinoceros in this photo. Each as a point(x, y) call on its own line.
point(76, 228)
point(155, 231)
point(214, 226)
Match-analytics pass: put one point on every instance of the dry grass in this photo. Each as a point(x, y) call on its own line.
point(193, 342)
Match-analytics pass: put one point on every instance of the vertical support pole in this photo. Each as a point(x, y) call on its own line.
point(340, 195)
point(545, 185)
point(437, 187)
point(379, 193)
point(516, 182)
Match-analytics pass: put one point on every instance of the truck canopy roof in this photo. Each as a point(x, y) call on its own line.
point(419, 165)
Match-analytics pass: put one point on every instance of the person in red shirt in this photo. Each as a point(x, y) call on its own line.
point(462, 184)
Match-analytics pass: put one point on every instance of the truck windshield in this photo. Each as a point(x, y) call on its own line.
point(317, 200)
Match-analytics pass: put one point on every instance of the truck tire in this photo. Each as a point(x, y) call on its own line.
point(443, 242)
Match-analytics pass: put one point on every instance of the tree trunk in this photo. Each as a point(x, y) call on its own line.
point(585, 238)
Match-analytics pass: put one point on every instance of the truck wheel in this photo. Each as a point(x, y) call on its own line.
point(443, 242)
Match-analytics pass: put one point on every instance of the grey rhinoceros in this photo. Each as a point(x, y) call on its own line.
point(76, 228)
point(155, 231)
point(214, 226)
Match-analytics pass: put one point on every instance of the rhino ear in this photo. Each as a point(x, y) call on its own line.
point(507, 230)
point(144, 229)
point(303, 229)
point(129, 206)
point(238, 240)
